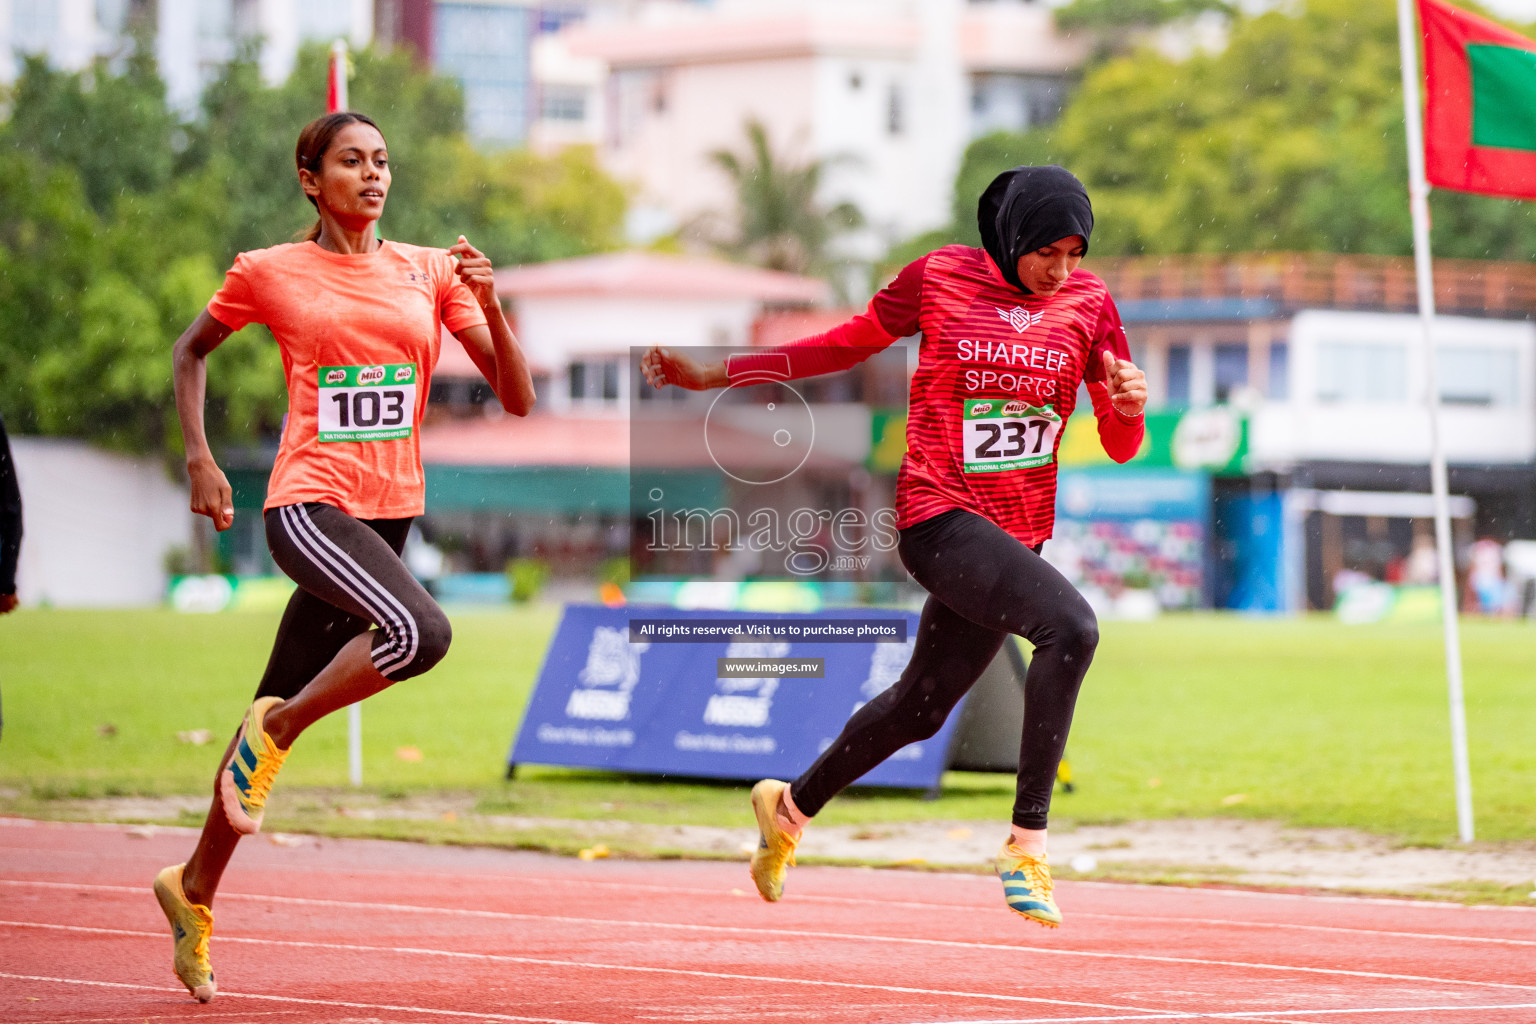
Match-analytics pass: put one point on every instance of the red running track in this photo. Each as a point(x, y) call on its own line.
point(396, 933)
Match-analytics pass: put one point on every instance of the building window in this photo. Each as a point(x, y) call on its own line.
point(1353, 372)
point(1231, 370)
point(1477, 376)
point(1178, 374)
point(594, 380)
point(563, 103)
point(895, 111)
point(486, 47)
point(554, 17)
point(1279, 371)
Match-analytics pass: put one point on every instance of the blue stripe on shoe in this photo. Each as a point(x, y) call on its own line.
point(242, 783)
point(1027, 903)
point(244, 752)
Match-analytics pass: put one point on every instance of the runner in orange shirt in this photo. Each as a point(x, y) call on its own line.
point(358, 321)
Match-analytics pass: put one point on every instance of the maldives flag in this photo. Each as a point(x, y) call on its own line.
point(1480, 118)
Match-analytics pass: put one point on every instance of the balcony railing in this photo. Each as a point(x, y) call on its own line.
point(1323, 280)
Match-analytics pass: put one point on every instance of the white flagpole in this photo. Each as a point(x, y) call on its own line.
point(336, 100)
point(337, 86)
point(1418, 201)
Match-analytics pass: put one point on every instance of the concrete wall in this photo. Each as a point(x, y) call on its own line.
point(96, 525)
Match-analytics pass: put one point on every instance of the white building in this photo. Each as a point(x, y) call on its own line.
point(193, 39)
point(97, 525)
point(1303, 377)
point(890, 91)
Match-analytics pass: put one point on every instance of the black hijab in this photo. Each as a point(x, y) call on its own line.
point(1028, 208)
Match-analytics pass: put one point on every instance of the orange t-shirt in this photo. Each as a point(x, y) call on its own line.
point(359, 335)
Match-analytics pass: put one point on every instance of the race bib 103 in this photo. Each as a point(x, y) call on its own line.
point(367, 403)
point(1002, 435)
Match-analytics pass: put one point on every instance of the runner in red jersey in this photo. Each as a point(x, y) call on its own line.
point(1009, 332)
point(358, 321)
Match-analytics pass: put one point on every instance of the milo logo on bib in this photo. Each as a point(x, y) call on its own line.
point(367, 403)
point(1000, 436)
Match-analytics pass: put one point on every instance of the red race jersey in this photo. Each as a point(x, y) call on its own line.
point(997, 376)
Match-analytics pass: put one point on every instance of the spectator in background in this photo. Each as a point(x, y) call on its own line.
point(1423, 562)
point(1485, 579)
point(10, 530)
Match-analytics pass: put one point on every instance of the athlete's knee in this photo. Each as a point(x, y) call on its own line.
point(1078, 632)
point(415, 646)
point(434, 637)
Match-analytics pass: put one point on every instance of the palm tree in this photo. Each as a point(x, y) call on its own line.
point(779, 222)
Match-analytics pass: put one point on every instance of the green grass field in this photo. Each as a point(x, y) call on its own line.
point(1303, 721)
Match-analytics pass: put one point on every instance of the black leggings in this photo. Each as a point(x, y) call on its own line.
point(983, 584)
point(350, 577)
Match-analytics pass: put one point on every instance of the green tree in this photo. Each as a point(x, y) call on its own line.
point(1118, 16)
point(115, 130)
point(779, 221)
point(1290, 138)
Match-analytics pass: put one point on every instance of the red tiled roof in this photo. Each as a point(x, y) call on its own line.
point(656, 275)
point(782, 328)
point(716, 39)
point(453, 361)
point(540, 440)
point(552, 440)
point(1001, 39)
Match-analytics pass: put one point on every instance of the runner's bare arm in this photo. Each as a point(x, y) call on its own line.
point(211, 495)
point(663, 366)
point(493, 348)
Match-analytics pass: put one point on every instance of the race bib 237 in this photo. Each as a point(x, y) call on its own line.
point(1000, 434)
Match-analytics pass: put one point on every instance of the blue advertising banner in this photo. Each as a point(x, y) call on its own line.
point(744, 706)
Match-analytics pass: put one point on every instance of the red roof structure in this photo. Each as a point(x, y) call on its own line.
point(599, 442)
point(652, 275)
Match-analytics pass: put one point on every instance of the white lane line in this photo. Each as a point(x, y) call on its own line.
point(1291, 926)
point(1214, 922)
point(816, 934)
point(145, 1018)
point(593, 965)
point(1248, 1014)
point(956, 876)
point(472, 1014)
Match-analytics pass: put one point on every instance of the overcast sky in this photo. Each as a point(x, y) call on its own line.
point(1516, 10)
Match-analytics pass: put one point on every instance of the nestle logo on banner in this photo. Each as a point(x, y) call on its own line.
point(1021, 320)
point(611, 672)
point(371, 375)
point(1014, 409)
point(603, 705)
point(336, 376)
point(747, 712)
point(403, 373)
point(745, 702)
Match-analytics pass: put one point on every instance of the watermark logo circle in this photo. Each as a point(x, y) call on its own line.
point(783, 415)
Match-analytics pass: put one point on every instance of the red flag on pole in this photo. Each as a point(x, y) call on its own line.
point(1480, 118)
point(336, 87)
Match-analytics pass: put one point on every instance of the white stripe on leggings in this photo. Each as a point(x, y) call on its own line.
point(385, 609)
point(403, 645)
point(381, 605)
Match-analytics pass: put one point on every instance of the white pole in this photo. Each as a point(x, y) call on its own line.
point(1418, 201)
point(336, 99)
point(355, 743)
point(337, 86)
